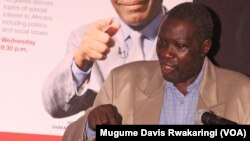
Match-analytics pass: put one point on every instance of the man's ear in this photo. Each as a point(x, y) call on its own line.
point(207, 44)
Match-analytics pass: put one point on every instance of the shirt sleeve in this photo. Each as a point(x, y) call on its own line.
point(89, 133)
point(79, 76)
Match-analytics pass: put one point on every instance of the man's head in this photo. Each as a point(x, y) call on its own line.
point(137, 13)
point(184, 39)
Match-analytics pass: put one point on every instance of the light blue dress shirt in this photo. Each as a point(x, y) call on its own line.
point(179, 109)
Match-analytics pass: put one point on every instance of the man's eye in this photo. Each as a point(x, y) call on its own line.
point(162, 43)
point(181, 46)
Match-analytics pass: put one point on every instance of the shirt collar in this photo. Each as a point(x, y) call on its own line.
point(150, 31)
point(192, 86)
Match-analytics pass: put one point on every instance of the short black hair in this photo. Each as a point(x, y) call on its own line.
point(196, 12)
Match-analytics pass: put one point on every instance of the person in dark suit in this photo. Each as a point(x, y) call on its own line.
point(173, 89)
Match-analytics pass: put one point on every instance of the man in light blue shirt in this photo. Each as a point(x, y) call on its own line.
point(94, 50)
point(173, 89)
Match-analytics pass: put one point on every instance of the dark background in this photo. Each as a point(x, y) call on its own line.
point(231, 43)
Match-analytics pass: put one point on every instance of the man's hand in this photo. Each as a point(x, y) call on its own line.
point(104, 114)
point(96, 42)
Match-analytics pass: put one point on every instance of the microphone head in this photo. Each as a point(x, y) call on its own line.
point(198, 116)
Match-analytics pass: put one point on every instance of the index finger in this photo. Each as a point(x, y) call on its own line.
point(101, 24)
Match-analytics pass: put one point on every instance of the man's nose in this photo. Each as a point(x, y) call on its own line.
point(168, 51)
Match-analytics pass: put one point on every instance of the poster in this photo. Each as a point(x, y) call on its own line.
point(33, 37)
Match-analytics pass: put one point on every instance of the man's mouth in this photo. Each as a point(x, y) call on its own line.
point(167, 68)
point(131, 3)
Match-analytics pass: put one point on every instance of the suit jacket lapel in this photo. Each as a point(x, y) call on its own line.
point(149, 98)
point(209, 98)
point(214, 96)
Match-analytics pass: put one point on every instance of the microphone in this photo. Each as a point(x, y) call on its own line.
point(205, 117)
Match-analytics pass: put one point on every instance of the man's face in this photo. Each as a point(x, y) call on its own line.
point(180, 55)
point(137, 13)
